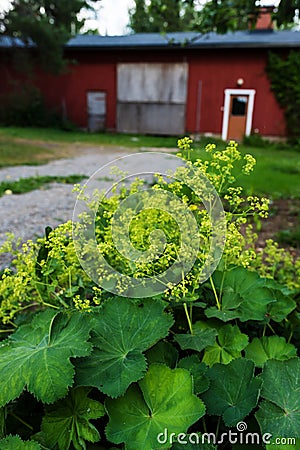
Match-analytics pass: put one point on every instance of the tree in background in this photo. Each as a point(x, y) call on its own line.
point(286, 12)
point(48, 23)
point(225, 15)
point(44, 26)
point(139, 18)
point(161, 15)
point(195, 15)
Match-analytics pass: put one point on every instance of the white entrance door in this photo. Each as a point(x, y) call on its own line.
point(238, 113)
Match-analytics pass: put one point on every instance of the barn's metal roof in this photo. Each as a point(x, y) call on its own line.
point(240, 39)
point(10, 42)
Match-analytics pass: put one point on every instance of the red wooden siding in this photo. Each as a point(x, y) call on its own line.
point(70, 89)
point(220, 70)
point(216, 69)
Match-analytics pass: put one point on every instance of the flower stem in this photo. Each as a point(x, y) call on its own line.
point(21, 420)
point(188, 318)
point(215, 293)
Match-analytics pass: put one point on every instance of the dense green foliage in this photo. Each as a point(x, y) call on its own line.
point(44, 26)
point(214, 15)
point(161, 16)
point(183, 15)
point(80, 365)
point(286, 12)
point(284, 74)
point(47, 23)
point(24, 106)
point(226, 15)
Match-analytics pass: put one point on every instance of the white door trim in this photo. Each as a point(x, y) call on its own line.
point(228, 93)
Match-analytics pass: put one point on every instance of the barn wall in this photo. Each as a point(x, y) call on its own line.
point(151, 97)
point(69, 91)
point(211, 72)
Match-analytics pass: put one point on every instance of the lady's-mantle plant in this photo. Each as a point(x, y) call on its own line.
point(81, 366)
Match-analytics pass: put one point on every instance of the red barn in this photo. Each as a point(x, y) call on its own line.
point(172, 84)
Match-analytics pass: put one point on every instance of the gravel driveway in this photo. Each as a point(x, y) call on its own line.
point(27, 215)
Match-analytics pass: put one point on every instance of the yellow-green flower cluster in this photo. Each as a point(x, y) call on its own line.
point(219, 168)
point(82, 305)
point(210, 148)
point(249, 165)
point(185, 143)
point(275, 262)
point(259, 205)
point(58, 280)
point(234, 196)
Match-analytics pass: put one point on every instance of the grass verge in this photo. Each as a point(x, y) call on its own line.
point(104, 138)
point(277, 173)
point(24, 185)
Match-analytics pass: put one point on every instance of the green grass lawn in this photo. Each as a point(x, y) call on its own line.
point(50, 134)
point(15, 153)
point(30, 184)
point(277, 173)
point(34, 146)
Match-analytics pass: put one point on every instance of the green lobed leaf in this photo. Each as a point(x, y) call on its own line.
point(269, 347)
point(198, 371)
point(282, 306)
point(279, 413)
point(162, 399)
point(16, 443)
point(123, 330)
point(163, 352)
point(197, 341)
point(233, 391)
point(68, 421)
point(244, 295)
point(228, 346)
point(37, 356)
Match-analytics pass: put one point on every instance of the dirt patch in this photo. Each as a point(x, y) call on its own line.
point(282, 225)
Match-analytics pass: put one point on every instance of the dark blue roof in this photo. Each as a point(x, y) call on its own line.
point(9, 42)
point(241, 39)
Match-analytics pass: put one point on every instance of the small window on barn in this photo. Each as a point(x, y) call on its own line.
point(239, 105)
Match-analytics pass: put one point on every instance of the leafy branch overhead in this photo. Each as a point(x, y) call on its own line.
point(203, 17)
point(47, 23)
